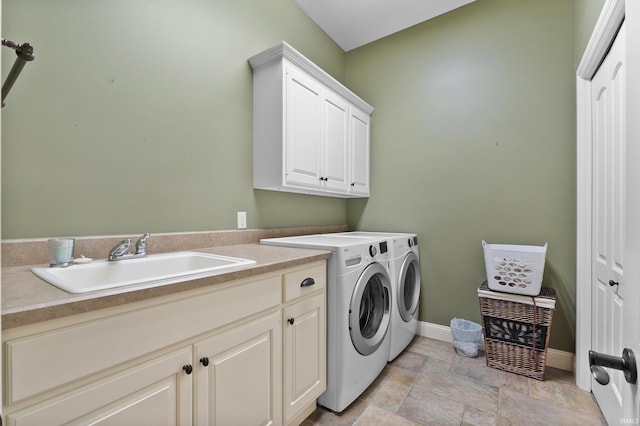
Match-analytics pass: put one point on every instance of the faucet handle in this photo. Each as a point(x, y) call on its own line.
point(120, 248)
point(141, 244)
point(124, 243)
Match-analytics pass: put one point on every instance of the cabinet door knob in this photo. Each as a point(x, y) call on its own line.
point(204, 361)
point(291, 320)
point(307, 282)
point(187, 368)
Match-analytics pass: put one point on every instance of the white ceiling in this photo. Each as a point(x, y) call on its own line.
point(354, 23)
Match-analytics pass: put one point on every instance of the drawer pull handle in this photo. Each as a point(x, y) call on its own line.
point(307, 282)
point(187, 368)
point(291, 320)
point(204, 361)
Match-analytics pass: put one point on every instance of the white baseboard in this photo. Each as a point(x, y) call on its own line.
point(435, 331)
point(561, 359)
point(555, 358)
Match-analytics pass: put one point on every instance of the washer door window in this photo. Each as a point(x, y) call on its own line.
point(369, 309)
point(409, 287)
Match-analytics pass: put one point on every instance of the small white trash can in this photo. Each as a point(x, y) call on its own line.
point(467, 336)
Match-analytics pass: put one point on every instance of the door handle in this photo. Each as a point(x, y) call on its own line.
point(625, 363)
point(612, 283)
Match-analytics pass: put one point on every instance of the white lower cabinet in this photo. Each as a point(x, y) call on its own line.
point(203, 357)
point(157, 392)
point(238, 379)
point(304, 340)
point(304, 361)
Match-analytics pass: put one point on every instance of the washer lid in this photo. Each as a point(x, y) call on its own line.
point(317, 240)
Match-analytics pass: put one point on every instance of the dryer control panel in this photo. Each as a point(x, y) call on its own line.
point(374, 250)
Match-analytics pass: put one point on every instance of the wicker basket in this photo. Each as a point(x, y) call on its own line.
point(516, 335)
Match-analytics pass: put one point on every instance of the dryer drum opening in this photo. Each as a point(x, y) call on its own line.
point(409, 287)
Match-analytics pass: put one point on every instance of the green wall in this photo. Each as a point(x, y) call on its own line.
point(137, 116)
point(473, 138)
point(586, 13)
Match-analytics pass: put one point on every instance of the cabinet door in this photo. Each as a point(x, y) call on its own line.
point(304, 354)
point(157, 392)
point(241, 383)
point(359, 135)
point(335, 169)
point(303, 110)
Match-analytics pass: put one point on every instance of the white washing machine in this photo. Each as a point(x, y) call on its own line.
point(358, 312)
point(404, 269)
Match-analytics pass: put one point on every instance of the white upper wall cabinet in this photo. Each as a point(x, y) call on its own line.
point(310, 133)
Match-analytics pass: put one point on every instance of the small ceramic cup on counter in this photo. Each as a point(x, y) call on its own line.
point(61, 251)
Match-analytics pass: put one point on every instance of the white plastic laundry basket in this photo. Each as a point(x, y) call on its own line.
point(514, 268)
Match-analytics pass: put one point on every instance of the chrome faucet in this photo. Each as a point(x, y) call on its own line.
point(121, 250)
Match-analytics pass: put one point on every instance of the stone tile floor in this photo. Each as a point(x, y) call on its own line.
point(430, 384)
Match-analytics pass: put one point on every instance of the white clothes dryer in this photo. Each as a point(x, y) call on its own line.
point(358, 312)
point(404, 268)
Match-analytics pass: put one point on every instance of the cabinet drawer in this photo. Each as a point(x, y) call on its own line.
point(44, 361)
point(297, 283)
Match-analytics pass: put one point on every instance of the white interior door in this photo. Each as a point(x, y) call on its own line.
point(614, 290)
point(608, 224)
point(631, 290)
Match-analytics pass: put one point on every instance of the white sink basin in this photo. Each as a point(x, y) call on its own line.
point(157, 269)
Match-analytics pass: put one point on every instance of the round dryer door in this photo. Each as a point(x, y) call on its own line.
point(369, 309)
point(409, 287)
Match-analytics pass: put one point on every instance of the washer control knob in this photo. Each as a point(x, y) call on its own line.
point(373, 251)
point(410, 241)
